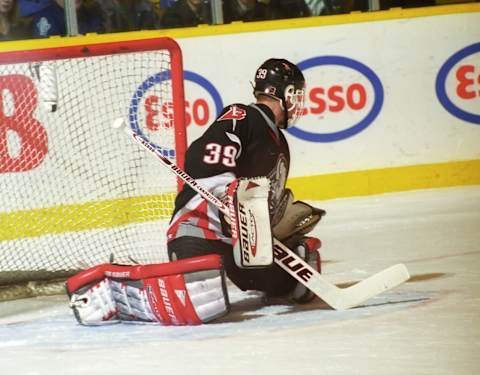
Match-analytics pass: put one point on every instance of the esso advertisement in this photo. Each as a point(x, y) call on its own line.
point(203, 103)
point(343, 97)
point(150, 112)
point(458, 84)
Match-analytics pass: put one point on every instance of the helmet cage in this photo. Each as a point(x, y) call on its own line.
point(293, 104)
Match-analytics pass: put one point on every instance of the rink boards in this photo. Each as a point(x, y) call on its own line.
point(387, 109)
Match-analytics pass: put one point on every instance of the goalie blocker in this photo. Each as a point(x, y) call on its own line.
point(185, 292)
point(250, 222)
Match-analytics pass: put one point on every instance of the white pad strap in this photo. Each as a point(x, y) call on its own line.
point(132, 302)
point(250, 222)
point(207, 294)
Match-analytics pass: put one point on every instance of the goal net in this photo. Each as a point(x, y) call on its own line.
point(74, 191)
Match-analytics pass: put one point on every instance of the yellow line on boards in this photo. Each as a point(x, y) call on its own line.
point(117, 212)
point(85, 216)
point(386, 180)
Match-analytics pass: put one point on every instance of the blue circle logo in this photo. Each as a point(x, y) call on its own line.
point(363, 123)
point(157, 79)
point(441, 90)
point(208, 86)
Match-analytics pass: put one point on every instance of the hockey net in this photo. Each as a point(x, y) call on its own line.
point(75, 191)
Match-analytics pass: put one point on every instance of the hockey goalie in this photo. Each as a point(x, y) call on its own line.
point(243, 159)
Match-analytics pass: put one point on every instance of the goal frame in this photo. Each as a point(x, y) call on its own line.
point(114, 48)
point(56, 49)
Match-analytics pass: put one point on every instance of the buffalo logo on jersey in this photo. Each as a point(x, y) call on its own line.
point(233, 113)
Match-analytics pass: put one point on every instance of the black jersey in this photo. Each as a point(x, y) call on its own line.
point(242, 142)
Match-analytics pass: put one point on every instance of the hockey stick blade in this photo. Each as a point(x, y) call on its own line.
point(372, 286)
point(337, 298)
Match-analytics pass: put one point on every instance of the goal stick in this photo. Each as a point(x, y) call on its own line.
point(337, 298)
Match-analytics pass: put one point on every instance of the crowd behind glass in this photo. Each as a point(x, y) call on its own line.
point(26, 19)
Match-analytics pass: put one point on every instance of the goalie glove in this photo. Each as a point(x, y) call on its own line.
point(294, 217)
point(185, 292)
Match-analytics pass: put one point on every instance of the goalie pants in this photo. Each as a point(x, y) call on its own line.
point(273, 280)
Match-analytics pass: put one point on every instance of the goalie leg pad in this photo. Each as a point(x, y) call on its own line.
point(185, 292)
point(94, 304)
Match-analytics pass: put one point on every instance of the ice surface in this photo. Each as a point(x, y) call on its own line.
point(430, 325)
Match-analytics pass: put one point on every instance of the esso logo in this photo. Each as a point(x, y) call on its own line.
point(150, 113)
point(458, 84)
point(336, 98)
point(202, 102)
point(343, 97)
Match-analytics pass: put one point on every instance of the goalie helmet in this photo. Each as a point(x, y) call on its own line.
point(282, 80)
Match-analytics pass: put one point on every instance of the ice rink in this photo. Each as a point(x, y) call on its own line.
point(430, 325)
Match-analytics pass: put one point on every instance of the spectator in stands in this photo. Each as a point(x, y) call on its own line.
point(28, 7)
point(186, 13)
point(245, 10)
point(128, 15)
point(11, 28)
point(51, 19)
point(164, 4)
point(327, 7)
point(387, 4)
point(280, 9)
point(317, 7)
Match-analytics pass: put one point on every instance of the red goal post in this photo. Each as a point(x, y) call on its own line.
point(75, 192)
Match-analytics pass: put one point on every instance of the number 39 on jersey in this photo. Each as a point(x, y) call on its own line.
point(220, 154)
